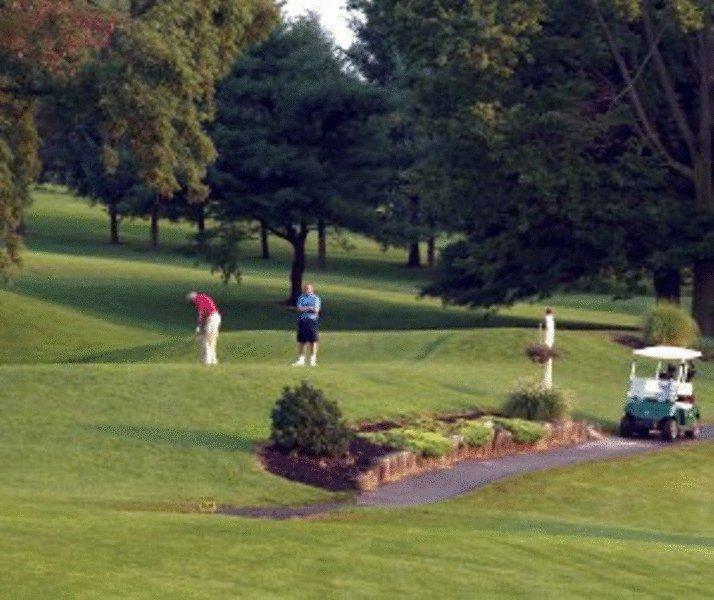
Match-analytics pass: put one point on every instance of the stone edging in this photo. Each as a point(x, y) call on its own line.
point(400, 465)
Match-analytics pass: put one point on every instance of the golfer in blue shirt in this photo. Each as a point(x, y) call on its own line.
point(308, 308)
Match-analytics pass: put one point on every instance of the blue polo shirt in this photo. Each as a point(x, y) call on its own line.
point(309, 301)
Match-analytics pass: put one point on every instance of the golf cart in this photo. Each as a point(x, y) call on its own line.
point(665, 401)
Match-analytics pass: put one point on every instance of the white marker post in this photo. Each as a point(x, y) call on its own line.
point(549, 340)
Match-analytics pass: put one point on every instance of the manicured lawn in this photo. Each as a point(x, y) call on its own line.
point(111, 435)
point(605, 531)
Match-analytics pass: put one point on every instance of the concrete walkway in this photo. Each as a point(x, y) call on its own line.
point(469, 475)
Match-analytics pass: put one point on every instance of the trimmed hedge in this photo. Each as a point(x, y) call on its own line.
point(534, 402)
point(304, 421)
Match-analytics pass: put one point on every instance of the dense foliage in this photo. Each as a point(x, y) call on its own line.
point(532, 401)
point(670, 325)
point(306, 422)
point(570, 140)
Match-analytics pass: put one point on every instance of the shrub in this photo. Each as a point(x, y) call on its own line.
point(307, 422)
point(533, 401)
point(523, 432)
point(668, 324)
point(427, 443)
point(476, 433)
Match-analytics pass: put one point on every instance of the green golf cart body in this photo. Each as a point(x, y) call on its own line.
point(664, 402)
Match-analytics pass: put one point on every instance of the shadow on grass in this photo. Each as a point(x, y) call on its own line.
point(186, 438)
point(560, 528)
point(139, 354)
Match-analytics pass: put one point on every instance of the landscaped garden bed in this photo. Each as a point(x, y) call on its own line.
point(311, 443)
point(387, 451)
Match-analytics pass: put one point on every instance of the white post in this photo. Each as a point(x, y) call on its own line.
point(550, 342)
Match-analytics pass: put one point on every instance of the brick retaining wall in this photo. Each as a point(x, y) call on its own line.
point(403, 464)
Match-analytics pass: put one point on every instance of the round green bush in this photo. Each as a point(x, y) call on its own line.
point(668, 324)
point(303, 420)
point(531, 400)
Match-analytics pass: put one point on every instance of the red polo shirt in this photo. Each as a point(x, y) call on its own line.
point(205, 305)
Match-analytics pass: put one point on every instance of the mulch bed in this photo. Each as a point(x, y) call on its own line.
point(629, 341)
point(335, 474)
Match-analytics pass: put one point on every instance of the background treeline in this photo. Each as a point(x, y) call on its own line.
point(541, 144)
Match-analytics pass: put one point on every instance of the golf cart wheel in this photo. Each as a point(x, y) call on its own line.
point(670, 430)
point(693, 433)
point(626, 427)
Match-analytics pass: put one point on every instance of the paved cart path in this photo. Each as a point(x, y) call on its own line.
point(472, 474)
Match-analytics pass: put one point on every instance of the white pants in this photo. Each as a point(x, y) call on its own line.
point(209, 339)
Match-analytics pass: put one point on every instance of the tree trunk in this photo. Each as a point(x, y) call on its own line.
point(298, 267)
point(703, 295)
point(21, 228)
point(155, 213)
point(264, 244)
point(321, 245)
point(414, 259)
point(668, 284)
point(703, 292)
point(201, 218)
point(431, 252)
point(114, 224)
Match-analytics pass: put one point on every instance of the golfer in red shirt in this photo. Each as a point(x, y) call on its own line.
point(209, 322)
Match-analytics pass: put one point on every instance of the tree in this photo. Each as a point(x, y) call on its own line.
point(297, 140)
point(411, 210)
point(138, 112)
point(547, 171)
point(564, 190)
point(40, 42)
point(156, 86)
point(664, 54)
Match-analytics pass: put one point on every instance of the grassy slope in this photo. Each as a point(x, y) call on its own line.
point(97, 458)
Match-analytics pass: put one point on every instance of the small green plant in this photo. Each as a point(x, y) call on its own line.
point(426, 443)
point(476, 433)
point(668, 324)
point(533, 401)
point(303, 420)
point(523, 432)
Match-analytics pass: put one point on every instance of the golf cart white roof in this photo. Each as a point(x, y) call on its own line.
point(668, 353)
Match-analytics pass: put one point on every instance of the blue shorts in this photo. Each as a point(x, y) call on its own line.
point(307, 331)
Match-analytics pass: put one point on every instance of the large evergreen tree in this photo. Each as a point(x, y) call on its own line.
point(297, 139)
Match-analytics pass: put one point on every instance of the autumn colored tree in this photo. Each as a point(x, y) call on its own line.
point(41, 41)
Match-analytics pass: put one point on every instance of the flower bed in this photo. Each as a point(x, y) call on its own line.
point(390, 451)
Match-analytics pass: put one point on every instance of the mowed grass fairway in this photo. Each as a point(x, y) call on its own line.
point(111, 435)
